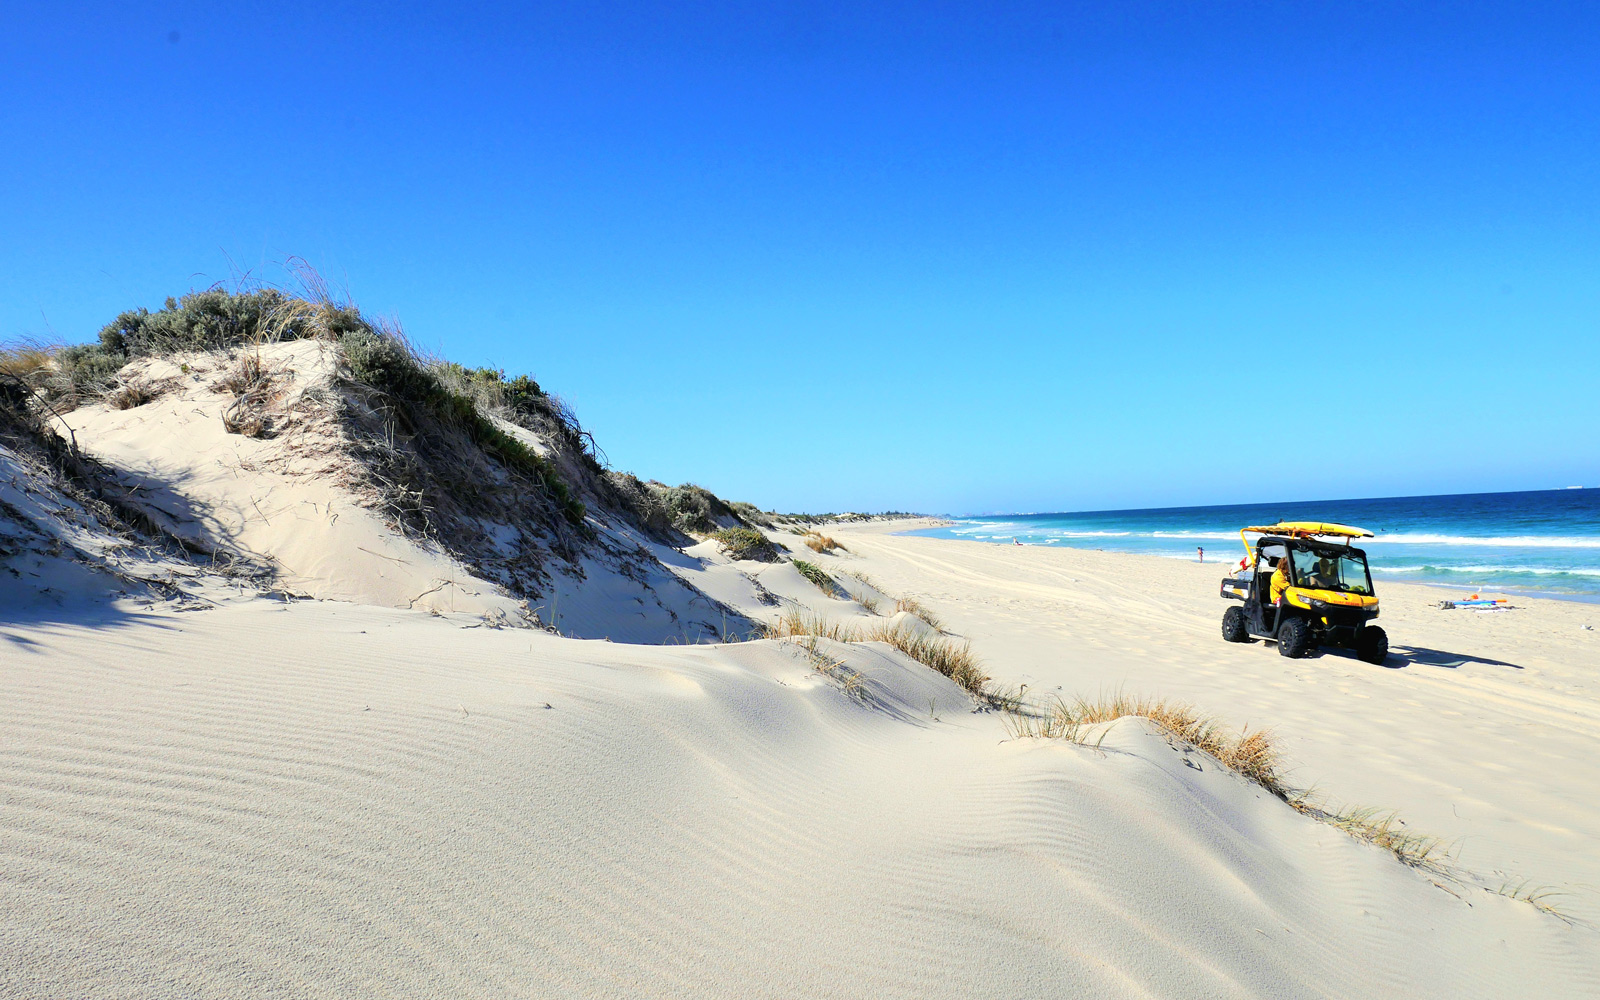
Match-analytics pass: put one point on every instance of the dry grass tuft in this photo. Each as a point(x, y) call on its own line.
point(1385, 830)
point(28, 359)
point(1540, 897)
point(859, 594)
point(918, 609)
point(128, 395)
point(955, 660)
point(816, 541)
point(1251, 754)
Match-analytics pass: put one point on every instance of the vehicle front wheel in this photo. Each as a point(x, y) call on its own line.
point(1294, 638)
point(1372, 644)
point(1233, 629)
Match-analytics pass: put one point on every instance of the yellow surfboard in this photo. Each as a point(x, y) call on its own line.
point(1302, 529)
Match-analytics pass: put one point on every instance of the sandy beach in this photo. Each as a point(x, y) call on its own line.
point(1481, 728)
point(317, 798)
point(316, 687)
point(744, 502)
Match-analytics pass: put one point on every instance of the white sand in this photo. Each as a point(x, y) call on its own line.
point(382, 795)
point(325, 800)
point(1483, 729)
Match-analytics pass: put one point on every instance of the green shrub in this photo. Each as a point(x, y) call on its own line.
point(694, 508)
point(215, 319)
point(817, 575)
point(751, 514)
point(206, 321)
point(384, 363)
point(746, 543)
point(90, 367)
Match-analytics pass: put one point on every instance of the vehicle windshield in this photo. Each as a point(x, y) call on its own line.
point(1344, 571)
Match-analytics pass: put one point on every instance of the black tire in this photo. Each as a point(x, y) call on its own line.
point(1233, 629)
point(1294, 638)
point(1372, 644)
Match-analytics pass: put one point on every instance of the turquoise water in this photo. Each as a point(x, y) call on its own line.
point(1545, 542)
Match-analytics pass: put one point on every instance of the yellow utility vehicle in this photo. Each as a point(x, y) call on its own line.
point(1301, 588)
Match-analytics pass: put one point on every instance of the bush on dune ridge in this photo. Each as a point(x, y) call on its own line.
point(376, 357)
point(746, 543)
point(379, 359)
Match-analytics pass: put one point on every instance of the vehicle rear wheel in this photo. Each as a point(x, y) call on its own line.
point(1233, 629)
point(1372, 644)
point(1294, 638)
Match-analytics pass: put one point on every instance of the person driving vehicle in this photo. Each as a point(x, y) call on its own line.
point(1326, 575)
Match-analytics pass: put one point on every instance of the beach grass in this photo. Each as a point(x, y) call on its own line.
point(818, 576)
point(1252, 754)
point(1249, 753)
point(918, 609)
point(952, 658)
point(1385, 829)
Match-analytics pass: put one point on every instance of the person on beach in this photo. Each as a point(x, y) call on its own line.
point(1202, 550)
point(1280, 580)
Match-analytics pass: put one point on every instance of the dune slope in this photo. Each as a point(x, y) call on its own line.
point(317, 799)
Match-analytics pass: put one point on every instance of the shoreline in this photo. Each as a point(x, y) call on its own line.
point(1391, 577)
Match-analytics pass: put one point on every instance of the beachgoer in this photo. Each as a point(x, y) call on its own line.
point(1202, 550)
point(1014, 540)
point(1280, 580)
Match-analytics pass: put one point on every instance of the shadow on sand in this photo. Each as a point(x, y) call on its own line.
point(1424, 656)
point(1401, 657)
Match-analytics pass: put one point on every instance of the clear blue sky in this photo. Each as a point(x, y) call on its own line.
point(947, 257)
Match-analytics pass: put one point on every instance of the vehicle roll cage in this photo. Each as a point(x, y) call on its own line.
point(1303, 531)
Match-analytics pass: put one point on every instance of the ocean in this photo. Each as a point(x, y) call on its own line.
point(1541, 543)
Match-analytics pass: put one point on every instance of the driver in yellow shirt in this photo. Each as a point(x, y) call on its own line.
point(1280, 580)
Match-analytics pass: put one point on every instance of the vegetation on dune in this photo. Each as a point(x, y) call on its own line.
point(649, 511)
point(950, 657)
point(919, 610)
point(816, 541)
point(746, 543)
point(751, 513)
point(425, 399)
point(1251, 754)
point(382, 361)
point(844, 518)
point(695, 509)
point(818, 576)
point(376, 358)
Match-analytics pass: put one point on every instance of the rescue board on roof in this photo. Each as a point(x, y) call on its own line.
point(1306, 529)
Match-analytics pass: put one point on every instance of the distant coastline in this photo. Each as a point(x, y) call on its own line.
point(1542, 543)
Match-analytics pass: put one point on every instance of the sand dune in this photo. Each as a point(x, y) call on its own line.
point(510, 756)
point(317, 799)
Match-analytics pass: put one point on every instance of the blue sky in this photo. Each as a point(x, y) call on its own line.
point(946, 257)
